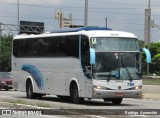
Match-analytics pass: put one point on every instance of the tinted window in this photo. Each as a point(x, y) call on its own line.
point(47, 47)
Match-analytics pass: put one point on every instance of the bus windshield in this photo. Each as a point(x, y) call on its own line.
point(114, 44)
point(117, 66)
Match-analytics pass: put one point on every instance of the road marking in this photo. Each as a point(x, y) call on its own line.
point(50, 116)
point(95, 116)
point(138, 115)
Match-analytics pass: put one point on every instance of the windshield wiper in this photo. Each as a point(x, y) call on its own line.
point(123, 65)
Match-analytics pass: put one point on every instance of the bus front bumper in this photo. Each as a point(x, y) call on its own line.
point(97, 93)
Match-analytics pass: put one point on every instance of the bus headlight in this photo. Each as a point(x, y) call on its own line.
point(100, 87)
point(137, 87)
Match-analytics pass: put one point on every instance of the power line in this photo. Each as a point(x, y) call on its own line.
point(91, 20)
point(140, 5)
point(12, 27)
point(37, 16)
point(42, 6)
point(89, 11)
point(77, 8)
point(42, 17)
point(53, 6)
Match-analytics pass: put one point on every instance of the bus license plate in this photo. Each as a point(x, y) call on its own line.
point(119, 94)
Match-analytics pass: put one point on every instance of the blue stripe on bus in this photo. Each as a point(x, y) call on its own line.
point(36, 74)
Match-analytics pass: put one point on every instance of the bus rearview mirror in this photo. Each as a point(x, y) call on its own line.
point(148, 55)
point(92, 56)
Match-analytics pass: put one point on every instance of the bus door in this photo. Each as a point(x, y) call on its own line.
point(86, 66)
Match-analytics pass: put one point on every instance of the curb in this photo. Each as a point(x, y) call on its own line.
point(20, 106)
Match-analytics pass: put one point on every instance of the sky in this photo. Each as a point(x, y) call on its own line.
point(122, 15)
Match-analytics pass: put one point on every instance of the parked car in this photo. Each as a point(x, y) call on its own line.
point(5, 80)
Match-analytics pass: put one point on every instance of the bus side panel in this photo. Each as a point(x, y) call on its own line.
point(55, 83)
point(79, 76)
point(24, 68)
point(18, 76)
point(53, 74)
point(19, 80)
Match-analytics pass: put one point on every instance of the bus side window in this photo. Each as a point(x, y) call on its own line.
point(42, 47)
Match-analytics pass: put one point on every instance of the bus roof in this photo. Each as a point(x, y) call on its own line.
point(80, 29)
point(88, 31)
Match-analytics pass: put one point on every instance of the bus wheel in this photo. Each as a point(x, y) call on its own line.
point(75, 95)
point(39, 96)
point(6, 89)
point(116, 101)
point(29, 90)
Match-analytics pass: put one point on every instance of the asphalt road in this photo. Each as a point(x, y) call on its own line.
point(55, 103)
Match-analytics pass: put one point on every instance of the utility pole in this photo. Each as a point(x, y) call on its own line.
point(18, 16)
point(0, 41)
point(18, 12)
point(147, 34)
point(106, 22)
point(86, 13)
point(149, 24)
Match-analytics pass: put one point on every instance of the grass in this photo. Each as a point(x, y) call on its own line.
point(151, 81)
point(14, 101)
point(41, 104)
point(38, 104)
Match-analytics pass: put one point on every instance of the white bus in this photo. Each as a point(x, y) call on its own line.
point(87, 62)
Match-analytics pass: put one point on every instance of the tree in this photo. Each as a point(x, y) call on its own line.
point(155, 54)
point(5, 52)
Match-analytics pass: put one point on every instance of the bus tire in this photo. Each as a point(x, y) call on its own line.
point(29, 90)
point(39, 96)
point(75, 95)
point(116, 101)
point(6, 89)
